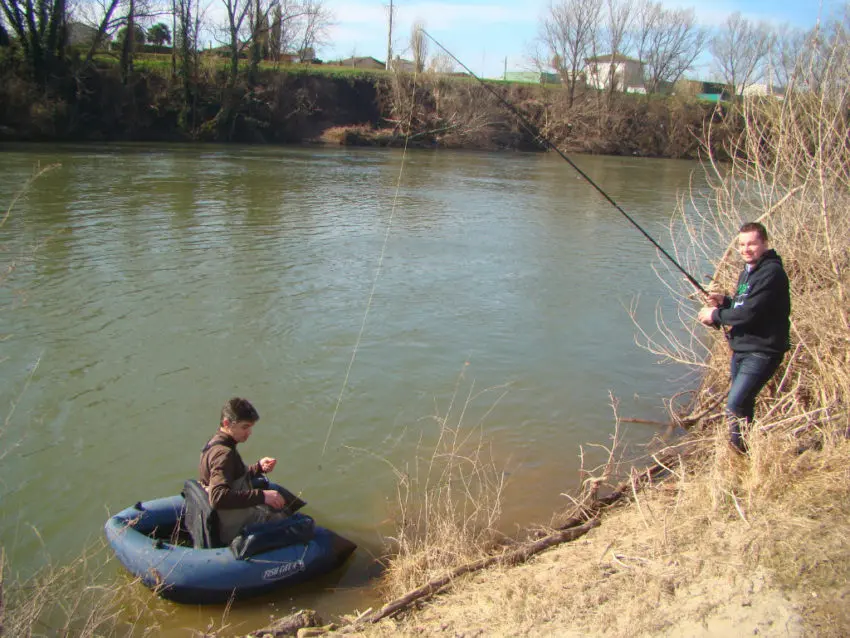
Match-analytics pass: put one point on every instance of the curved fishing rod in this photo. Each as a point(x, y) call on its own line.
point(548, 143)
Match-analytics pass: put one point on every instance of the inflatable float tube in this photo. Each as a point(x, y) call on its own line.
point(148, 539)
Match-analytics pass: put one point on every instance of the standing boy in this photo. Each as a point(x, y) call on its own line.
point(759, 317)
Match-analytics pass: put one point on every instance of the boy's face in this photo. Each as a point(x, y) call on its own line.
point(751, 246)
point(239, 430)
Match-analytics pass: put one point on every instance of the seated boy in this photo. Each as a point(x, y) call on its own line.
point(228, 481)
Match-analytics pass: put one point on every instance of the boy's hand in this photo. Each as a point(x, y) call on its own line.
point(273, 499)
point(706, 315)
point(267, 464)
point(714, 299)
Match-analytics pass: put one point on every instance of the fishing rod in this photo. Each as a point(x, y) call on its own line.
point(548, 143)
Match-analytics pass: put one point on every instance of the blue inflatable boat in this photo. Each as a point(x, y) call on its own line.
point(170, 544)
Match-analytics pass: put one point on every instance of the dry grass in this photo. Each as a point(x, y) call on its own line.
point(717, 549)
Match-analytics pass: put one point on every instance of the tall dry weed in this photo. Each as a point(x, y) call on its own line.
point(448, 502)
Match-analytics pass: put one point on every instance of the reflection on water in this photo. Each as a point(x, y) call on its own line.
point(169, 278)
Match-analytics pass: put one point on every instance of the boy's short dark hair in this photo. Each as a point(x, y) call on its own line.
point(750, 227)
point(238, 409)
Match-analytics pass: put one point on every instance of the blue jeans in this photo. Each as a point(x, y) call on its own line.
point(750, 371)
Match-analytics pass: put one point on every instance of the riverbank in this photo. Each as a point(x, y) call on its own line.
point(329, 106)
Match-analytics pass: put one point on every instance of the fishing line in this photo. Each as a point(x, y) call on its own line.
point(548, 143)
point(377, 275)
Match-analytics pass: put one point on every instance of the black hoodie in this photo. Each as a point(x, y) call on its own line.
point(760, 313)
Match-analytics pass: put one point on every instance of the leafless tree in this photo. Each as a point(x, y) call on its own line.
point(616, 35)
point(40, 29)
point(442, 63)
point(825, 47)
point(107, 17)
point(236, 34)
point(568, 35)
point(418, 45)
point(188, 15)
point(128, 47)
point(314, 23)
point(739, 50)
point(668, 42)
point(258, 18)
point(786, 53)
point(298, 26)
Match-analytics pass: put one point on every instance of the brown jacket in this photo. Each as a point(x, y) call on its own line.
point(220, 467)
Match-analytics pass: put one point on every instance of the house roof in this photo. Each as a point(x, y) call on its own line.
point(360, 60)
point(615, 57)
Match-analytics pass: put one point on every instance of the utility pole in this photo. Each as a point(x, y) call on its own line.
point(390, 40)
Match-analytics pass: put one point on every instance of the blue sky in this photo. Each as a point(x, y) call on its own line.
point(484, 33)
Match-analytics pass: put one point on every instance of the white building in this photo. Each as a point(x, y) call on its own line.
point(625, 72)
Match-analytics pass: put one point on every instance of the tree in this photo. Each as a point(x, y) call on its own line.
point(237, 37)
point(40, 30)
point(668, 42)
point(313, 25)
point(159, 34)
point(825, 47)
point(258, 18)
point(138, 38)
point(786, 51)
point(298, 26)
point(418, 45)
point(100, 15)
point(616, 36)
point(187, 25)
point(568, 35)
point(739, 49)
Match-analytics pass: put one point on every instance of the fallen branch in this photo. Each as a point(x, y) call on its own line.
point(433, 586)
point(665, 424)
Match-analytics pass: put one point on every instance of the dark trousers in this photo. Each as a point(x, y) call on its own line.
point(750, 371)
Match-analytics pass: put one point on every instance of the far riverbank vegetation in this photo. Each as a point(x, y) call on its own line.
point(609, 78)
point(691, 521)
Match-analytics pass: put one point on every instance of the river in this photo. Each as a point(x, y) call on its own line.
point(350, 294)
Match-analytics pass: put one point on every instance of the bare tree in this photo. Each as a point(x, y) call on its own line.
point(568, 35)
point(128, 46)
point(187, 19)
point(418, 45)
point(442, 63)
point(668, 42)
point(390, 16)
point(818, 56)
point(236, 34)
point(109, 17)
point(40, 29)
point(258, 18)
point(298, 26)
point(314, 23)
point(618, 19)
point(739, 50)
point(786, 52)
